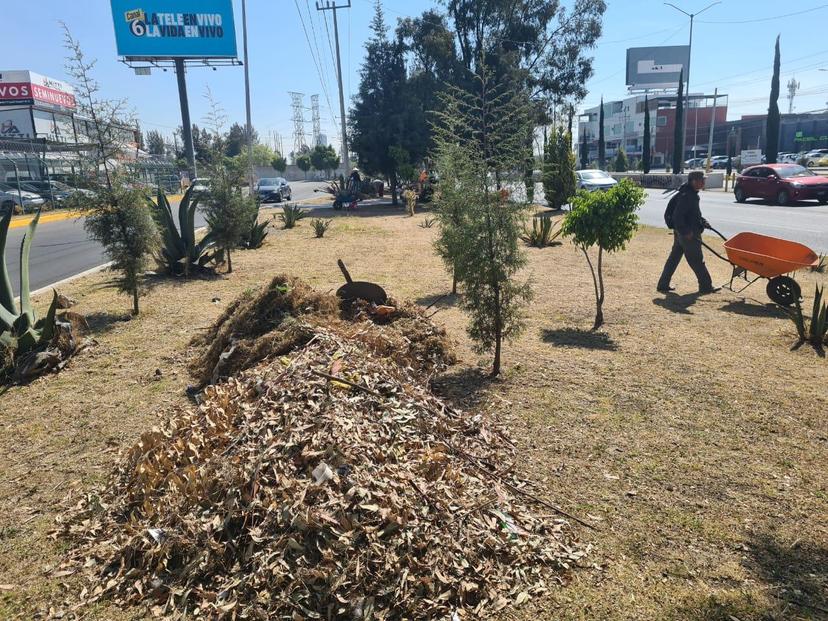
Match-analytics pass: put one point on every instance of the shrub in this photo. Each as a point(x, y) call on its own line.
point(228, 212)
point(606, 220)
point(119, 220)
point(291, 214)
point(320, 226)
point(621, 164)
point(428, 222)
point(814, 331)
point(541, 234)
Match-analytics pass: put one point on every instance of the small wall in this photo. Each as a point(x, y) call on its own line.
point(665, 181)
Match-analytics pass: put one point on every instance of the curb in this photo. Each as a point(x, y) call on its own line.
point(89, 272)
point(49, 217)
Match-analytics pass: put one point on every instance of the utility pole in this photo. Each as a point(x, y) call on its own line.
point(333, 7)
point(247, 100)
point(689, 56)
point(186, 126)
point(712, 127)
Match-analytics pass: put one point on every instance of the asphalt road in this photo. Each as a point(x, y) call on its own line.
point(62, 249)
point(805, 222)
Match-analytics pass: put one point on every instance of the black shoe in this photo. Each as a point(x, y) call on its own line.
point(707, 290)
point(667, 289)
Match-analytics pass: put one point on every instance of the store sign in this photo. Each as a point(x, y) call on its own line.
point(29, 88)
point(16, 124)
point(146, 29)
point(749, 157)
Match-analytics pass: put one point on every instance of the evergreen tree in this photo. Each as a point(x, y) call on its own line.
point(279, 162)
point(773, 122)
point(324, 158)
point(584, 151)
point(304, 163)
point(621, 163)
point(482, 135)
point(678, 132)
point(155, 143)
point(378, 119)
point(559, 182)
point(602, 147)
point(227, 211)
point(645, 155)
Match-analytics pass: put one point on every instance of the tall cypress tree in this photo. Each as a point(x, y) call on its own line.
point(645, 153)
point(678, 135)
point(772, 129)
point(602, 147)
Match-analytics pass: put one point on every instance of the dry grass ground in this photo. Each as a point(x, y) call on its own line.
point(687, 430)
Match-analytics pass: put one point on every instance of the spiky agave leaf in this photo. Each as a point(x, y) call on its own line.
point(26, 310)
point(6, 292)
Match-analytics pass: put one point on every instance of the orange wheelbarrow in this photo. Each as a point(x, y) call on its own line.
point(768, 257)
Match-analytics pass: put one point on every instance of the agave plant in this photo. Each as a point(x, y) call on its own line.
point(815, 331)
point(290, 216)
point(179, 250)
point(254, 237)
point(20, 329)
point(541, 234)
point(320, 226)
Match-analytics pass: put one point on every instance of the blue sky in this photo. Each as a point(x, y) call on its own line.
point(736, 57)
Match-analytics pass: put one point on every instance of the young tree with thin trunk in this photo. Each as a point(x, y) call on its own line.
point(481, 136)
point(773, 122)
point(116, 216)
point(602, 147)
point(678, 130)
point(227, 211)
point(607, 220)
point(645, 150)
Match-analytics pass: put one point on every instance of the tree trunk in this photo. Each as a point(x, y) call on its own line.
point(135, 300)
point(392, 179)
point(454, 281)
point(496, 365)
point(229, 262)
point(599, 300)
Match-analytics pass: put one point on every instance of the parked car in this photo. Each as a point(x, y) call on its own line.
point(781, 183)
point(10, 198)
point(718, 162)
point(695, 162)
point(53, 191)
point(787, 158)
point(273, 190)
point(812, 157)
point(594, 180)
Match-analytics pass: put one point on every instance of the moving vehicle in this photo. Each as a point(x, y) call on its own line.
point(781, 183)
point(814, 156)
point(10, 198)
point(594, 180)
point(273, 190)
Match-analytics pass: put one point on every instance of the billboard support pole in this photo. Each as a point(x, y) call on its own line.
point(186, 126)
point(247, 100)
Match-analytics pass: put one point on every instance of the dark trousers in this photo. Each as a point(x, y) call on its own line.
point(691, 250)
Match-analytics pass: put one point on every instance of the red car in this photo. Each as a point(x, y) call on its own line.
point(781, 183)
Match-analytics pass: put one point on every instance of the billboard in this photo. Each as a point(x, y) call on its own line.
point(29, 88)
point(656, 67)
point(16, 123)
point(152, 29)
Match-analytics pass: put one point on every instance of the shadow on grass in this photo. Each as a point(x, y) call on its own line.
point(104, 322)
point(817, 347)
point(584, 339)
point(796, 573)
point(677, 303)
point(465, 387)
point(441, 300)
point(743, 307)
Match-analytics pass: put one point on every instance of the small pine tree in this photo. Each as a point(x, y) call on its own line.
point(559, 182)
point(117, 217)
point(483, 135)
point(602, 146)
point(621, 163)
point(773, 120)
point(227, 211)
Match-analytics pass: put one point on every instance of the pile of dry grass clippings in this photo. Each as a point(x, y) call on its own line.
point(284, 316)
point(328, 483)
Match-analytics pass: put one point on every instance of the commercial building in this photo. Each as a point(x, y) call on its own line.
point(797, 132)
point(624, 126)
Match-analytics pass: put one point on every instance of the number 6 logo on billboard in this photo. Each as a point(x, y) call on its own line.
point(137, 22)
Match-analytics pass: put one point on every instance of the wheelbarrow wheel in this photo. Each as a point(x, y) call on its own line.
point(784, 290)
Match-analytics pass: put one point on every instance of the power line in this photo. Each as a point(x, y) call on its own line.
point(315, 61)
point(765, 19)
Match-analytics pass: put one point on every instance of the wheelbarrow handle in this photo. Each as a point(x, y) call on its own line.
point(716, 232)
point(344, 271)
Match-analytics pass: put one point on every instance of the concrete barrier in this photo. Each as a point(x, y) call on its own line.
point(665, 181)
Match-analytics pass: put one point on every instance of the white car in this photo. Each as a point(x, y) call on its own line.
point(594, 180)
point(10, 198)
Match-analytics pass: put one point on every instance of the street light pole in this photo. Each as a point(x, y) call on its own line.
point(689, 57)
point(247, 100)
point(332, 6)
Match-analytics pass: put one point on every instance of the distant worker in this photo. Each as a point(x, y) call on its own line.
point(354, 182)
point(684, 216)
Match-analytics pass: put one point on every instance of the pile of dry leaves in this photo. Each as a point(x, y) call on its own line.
point(324, 483)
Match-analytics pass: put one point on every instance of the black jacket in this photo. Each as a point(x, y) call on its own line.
point(687, 217)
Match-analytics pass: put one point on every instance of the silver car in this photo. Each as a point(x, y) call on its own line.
point(10, 198)
point(594, 180)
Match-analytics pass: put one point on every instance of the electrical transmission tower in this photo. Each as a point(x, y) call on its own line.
point(298, 105)
point(317, 126)
point(793, 86)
